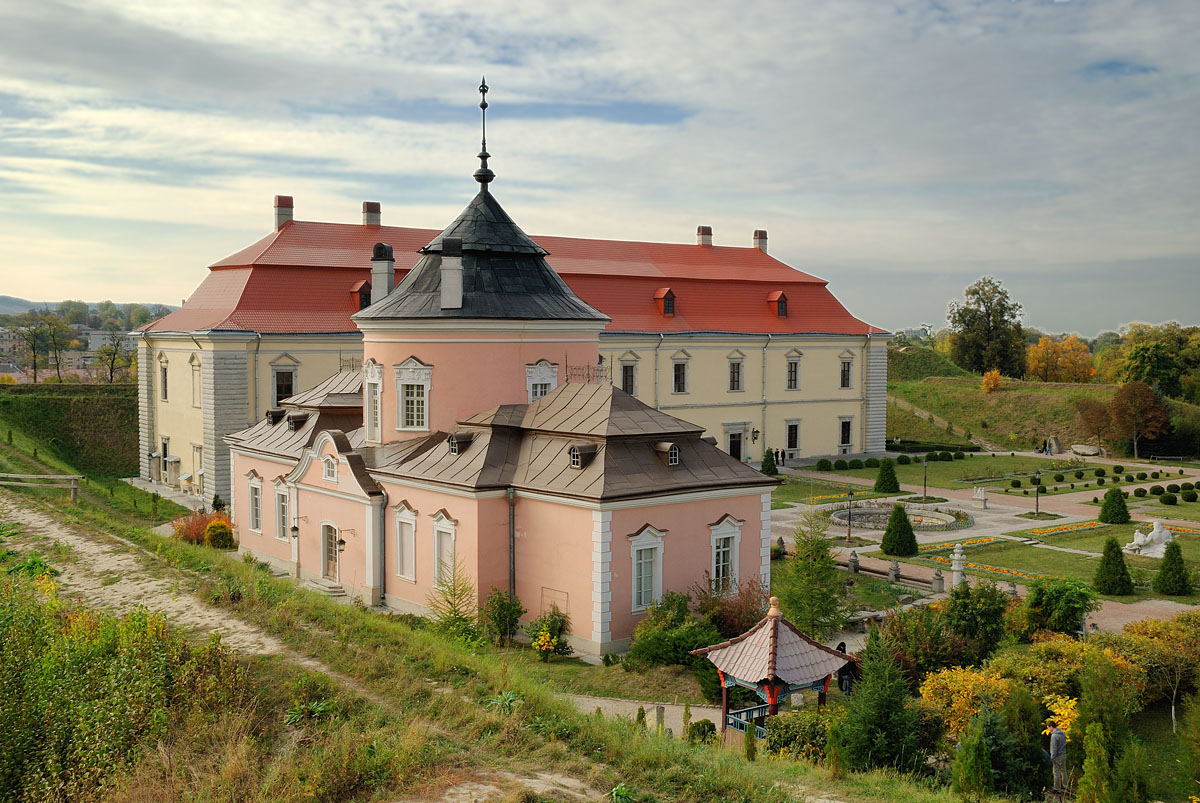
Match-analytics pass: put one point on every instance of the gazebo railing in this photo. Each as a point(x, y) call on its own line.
point(739, 720)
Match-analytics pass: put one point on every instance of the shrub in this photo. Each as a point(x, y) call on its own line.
point(1141, 475)
point(1188, 496)
point(1100, 480)
point(899, 538)
point(903, 460)
point(977, 615)
point(191, 527)
point(1059, 477)
point(1100, 472)
point(557, 625)
point(1078, 475)
point(1139, 491)
point(1156, 490)
point(1112, 575)
point(824, 464)
point(881, 725)
point(959, 455)
point(885, 480)
point(1041, 489)
point(218, 504)
point(872, 462)
point(1130, 779)
point(1187, 486)
point(1168, 499)
point(945, 457)
point(991, 381)
point(1172, 578)
point(1016, 483)
point(856, 463)
point(840, 465)
point(972, 771)
point(922, 642)
point(917, 459)
point(1128, 478)
point(731, 611)
point(1153, 475)
point(1095, 500)
point(1057, 605)
point(1173, 488)
point(1114, 510)
point(219, 535)
point(768, 463)
point(802, 734)
point(501, 616)
point(702, 731)
point(453, 603)
point(1118, 469)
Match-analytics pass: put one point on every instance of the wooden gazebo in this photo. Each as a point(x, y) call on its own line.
point(772, 659)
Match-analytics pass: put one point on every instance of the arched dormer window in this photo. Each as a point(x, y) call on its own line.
point(669, 452)
point(576, 458)
point(458, 442)
point(580, 454)
point(329, 469)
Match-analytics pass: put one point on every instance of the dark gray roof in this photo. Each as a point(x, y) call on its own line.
point(505, 275)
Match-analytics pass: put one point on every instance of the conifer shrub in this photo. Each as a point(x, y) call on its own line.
point(871, 462)
point(1112, 575)
point(1188, 496)
point(1130, 779)
point(972, 771)
point(219, 535)
point(885, 480)
point(1093, 785)
point(824, 464)
point(1168, 499)
point(1172, 578)
point(750, 743)
point(899, 539)
point(882, 725)
point(768, 463)
point(856, 463)
point(903, 460)
point(1114, 510)
point(840, 465)
point(1139, 492)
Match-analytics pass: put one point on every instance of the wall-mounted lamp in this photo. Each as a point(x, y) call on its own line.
point(295, 531)
point(341, 544)
point(754, 436)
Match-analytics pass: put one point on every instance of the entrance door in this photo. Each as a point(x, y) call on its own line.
point(735, 445)
point(330, 567)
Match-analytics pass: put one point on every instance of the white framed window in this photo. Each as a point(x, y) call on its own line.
point(162, 377)
point(673, 455)
point(679, 372)
point(197, 458)
point(629, 378)
point(540, 379)
point(197, 382)
point(735, 376)
point(254, 498)
point(282, 521)
point(845, 432)
point(372, 395)
point(414, 380)
point(846, 372)
point(445, 529)
point(406, 542)
point(329, 469)
point(284, 386)
point(576, 457)
point(793, 370)
point(646, 553)
point(725, 536)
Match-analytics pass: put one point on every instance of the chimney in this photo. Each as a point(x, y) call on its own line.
point(371, 213)
point(283, 210)
point(760, 240)
point(383, 272)
point(452, 280)
point(704, 235)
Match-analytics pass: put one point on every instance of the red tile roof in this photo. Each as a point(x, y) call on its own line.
point(299, 278)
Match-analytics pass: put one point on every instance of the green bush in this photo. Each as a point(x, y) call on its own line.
point(1079, 474)
point(959, 455)
point(856, 463)
point(1141, 475)
point(1016, 483)
point(768, 463)
point(1172, 488)
point(916, 459)
point(1114, 510)
point(899, 539)
point(882, 725)
point(885, 480)
point(840, 465)
point(1057, 605)
point(1187, 486)
point(1128, 478)
point(1188, 496)
point(501, 615)
point(1172, 578)
point(903, 460)
point(219, 535)
point(824, 464)
point(1059, 478)
point(1168, 499)
point(701, 731)
point(801, 733)
point(972, 773)
point(1153, 475)
point(1156, 490)
point(1112, 575)
point(1139, 491)
point(1099, 472)
point(557, 624)
point(1100, 480)
point(1118, 469)
point(871, 462)
point(945, 457)
point(977, 615)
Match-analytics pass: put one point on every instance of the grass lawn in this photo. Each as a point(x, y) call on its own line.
point(1165, 756)
point(1189, 511)
point(974, 469)
point(809, 491)
point(865, 593)
point(668, 684)
point(907, 425)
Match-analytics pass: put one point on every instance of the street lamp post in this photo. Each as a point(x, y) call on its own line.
point(1037, 489)
point(849, 515)
point(924, 478)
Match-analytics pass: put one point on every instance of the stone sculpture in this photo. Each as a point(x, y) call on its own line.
point(1152, 544)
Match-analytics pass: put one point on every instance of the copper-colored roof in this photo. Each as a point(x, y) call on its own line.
point(335, 404)
point(343, 389)
point(598, 410)
point(772, 649)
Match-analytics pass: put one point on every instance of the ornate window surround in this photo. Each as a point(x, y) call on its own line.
point(542, 372)
point(649, 537)
point(413, 372)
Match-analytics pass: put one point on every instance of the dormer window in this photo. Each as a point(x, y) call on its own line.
point(780, 301)
point(329, 469)
point(296, 421)
point(580, 454)
point(458, 442)
point(669, 452)
point(576, 458)
point(665, 299)
point(361, 293)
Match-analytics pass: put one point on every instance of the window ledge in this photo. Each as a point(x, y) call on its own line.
point(409, 580)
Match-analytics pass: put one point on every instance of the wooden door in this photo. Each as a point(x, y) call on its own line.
point(735, 445)
point(331, 553)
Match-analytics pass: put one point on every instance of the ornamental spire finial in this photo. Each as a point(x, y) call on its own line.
point(484, 175)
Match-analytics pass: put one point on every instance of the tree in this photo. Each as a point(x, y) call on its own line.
point(986, 330)
point(977, 614)
point(881, 725)
point(1094, 417)
point(768, 463)
point(502, 615)
point(1155, 363)
point(1058, 605)
point(453, 603)
point(73, 311)
point(1104, 699)
point(1172, 578)
point(1093, 786)
point(812, 594)
point(113, 356)
point(1114, 510)
point(885, 480)
point(1112, 575)
point(1059, 361)
point(991, 381)
point(899, 538)
point(1138, 412)
point(1130, 780)
point(1169, 654)
point(972, 770)
point(58, 340)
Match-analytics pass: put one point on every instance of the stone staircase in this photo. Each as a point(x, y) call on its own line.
point(327, 587)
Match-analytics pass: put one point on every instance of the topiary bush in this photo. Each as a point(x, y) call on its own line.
point(840, 465)
point(856, 463)
point(899, 539)
point(824, 464)
point(1156, 490)
point(903, 460)
point(1112, 575)
point(960, 455)
point(1041, 489)
point(1141, 475)
point(1139, 491)
point(1015, 483)
point(1100, 480)
point(768, 463)
point(219, 535)
point(1172, 578)
point(1168, 499)
point(1078, 475)
point(1059, 477)
point(1114, 510)
point(945, 457)
point(1188, 496)
point(1153, 475)
point(1172, 488)
point(1187, 486)
point(871, 462)
point(1099, 472)
point(885, 481)
point(1118, 469)
point(1128, 478)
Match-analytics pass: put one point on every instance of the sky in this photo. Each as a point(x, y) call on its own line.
point(899, 150)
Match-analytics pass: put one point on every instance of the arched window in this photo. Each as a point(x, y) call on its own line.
point(673, 455)
point(329, 469)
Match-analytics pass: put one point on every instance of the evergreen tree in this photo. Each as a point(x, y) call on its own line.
point(1106, 699)
point(1114, 510)
point(899, 538)
point(1189, 737)
point(972, 764)
point(812, 592)
point(1172, 577)
point(977, 615)
point(1130, 782)
point(751, 742)
point(1022, 768)
point(881, 725)
point(835, 754)
point(885, 480)
point(1112, 575)
point(768, 463)
point(1093, 785)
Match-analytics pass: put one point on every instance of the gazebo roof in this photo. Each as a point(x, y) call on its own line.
point(774, 649)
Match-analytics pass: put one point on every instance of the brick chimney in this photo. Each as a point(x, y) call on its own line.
point(283, 210)
point(452, 273)
point(371, 213)
point(704, 235)
point(760, 240)
point(383, 272)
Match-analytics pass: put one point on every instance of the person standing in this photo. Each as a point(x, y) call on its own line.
point(1058, 757)
point(845, 675)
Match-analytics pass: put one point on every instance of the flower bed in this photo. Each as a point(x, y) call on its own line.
point(998, 569)
point(1065, 528)
point(1183, 529)
point(972, 542)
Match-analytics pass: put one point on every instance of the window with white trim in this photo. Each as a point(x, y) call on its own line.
point(329, 469)
point(282, 522)
point(673, 455)
point(735, 375)
point(414, 380)
point(406, 543)
point(445, 530)
point(725, 536)
point(197, 382)
point(255, 504)
point(374, 419)
point(576, 457)
point(413, 406)
point(540, 379)
point(793, 374)
point(629, 378)
point(847, 363)
point(162, 377)
point(284, 385)
point(645, 552)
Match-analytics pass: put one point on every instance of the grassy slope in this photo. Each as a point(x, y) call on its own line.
point(907, 425)
point(909, 363)
point(429, 742)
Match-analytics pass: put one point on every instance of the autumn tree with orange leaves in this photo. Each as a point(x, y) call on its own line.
point(1059, 361)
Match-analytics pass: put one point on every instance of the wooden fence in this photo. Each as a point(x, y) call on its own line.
point(44, 481)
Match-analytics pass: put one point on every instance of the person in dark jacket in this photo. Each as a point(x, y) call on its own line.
point(845, 675)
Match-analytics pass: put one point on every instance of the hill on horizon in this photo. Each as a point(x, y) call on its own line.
point(12, 305)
